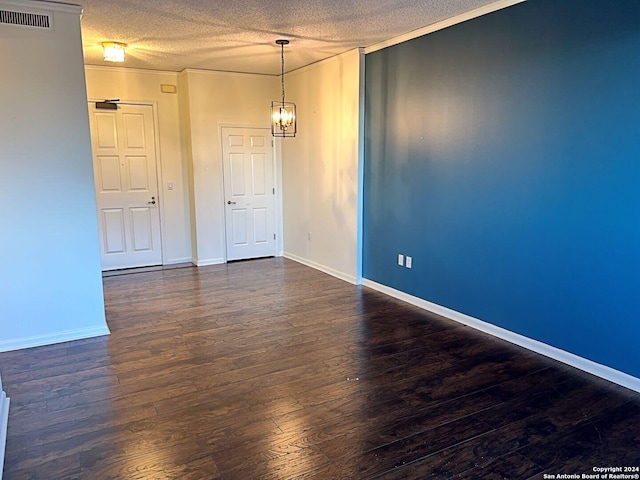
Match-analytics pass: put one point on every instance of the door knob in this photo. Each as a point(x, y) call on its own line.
point(229, 202)
point(152, 202)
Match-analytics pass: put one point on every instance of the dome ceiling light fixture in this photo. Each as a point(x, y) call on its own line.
point(113, 51)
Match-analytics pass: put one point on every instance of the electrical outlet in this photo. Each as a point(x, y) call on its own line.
point(408, 262)
point(400, 259)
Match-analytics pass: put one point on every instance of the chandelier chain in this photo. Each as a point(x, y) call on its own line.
point(282, 75)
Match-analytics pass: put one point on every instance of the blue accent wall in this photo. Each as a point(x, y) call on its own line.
point(503, 155)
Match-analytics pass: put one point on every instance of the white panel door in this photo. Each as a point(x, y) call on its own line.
point(124, 167)
point(249, 193)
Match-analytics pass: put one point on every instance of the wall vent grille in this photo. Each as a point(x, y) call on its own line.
point(25, 19)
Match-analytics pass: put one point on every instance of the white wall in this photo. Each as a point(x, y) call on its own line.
point(143, 86)
point(185, 135)
point(51, 284)
point(320, 166)
point(211, 100)
point(189, 124)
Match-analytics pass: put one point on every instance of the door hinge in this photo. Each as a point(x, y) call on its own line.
point(274, 191)
point(274, 236)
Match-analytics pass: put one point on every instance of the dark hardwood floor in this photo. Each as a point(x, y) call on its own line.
point(270, 369)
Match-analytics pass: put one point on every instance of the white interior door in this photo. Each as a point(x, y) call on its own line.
point(249, 193)
point(124, 166)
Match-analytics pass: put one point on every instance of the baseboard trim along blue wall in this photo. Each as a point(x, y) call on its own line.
point(581, 363)
point(503, 155)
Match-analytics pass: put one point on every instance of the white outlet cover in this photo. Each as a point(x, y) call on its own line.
point(400, 259)
point(408, 262)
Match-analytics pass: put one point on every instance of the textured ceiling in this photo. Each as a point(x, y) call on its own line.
point(240, 35)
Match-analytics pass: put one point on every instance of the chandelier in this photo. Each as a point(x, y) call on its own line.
point(283, 114)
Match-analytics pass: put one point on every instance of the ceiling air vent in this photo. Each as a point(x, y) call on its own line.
point(25, 19)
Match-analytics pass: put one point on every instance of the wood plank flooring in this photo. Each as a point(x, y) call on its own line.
point(270, 369)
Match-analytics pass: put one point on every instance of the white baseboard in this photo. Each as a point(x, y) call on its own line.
point(4, 423)
point(211, 261)
point(563, 356)
point(176, 261)
point(58, 337)
point(341, 275)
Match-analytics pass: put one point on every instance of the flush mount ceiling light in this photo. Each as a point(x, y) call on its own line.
point(283, 114)
point(113, 51)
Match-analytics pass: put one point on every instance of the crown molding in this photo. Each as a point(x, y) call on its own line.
point(449, 22)
point(353, 52)
point(223, 73)
point(102, 68)
point(48, 6)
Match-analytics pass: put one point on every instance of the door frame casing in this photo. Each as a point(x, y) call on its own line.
point(159, 178)
point(277, 182)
